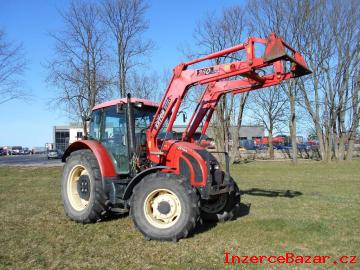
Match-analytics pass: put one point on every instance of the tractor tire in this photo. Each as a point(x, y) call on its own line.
point(164, 207)
point(222, 208)
point(82, 192)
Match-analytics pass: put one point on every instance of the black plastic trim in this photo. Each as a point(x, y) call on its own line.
point(137, 179)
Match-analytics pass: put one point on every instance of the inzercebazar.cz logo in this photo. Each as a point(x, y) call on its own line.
point(289, 258)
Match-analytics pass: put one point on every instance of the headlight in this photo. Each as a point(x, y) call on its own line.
point(214, 166)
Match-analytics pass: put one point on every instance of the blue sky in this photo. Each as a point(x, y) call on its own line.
point(29, 123)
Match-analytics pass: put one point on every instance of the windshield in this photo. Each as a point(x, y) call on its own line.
point(143, 117)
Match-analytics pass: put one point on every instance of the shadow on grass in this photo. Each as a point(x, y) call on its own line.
point(271, 193)
point(114, 216)
point(240, 211)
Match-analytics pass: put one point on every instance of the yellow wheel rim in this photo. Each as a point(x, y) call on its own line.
point(76, 201)
point(152, 210)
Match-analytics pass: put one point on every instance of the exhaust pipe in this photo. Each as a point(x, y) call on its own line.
point(130, 126)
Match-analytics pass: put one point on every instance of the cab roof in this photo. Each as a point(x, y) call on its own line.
point(124, 100)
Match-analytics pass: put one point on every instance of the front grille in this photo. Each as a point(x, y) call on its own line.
point(196, 166)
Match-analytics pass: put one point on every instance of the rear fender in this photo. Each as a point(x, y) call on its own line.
point(105, 163)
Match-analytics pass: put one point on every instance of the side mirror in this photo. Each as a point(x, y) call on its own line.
point(184, 117)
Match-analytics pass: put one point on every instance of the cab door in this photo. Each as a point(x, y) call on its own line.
point(114, 138)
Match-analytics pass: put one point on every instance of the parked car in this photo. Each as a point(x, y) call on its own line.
point(16, 150)
point(281, 147)
point(26, 151)
point(54, 154)
point(260, 147)
point(304, 146)
point(247, 144)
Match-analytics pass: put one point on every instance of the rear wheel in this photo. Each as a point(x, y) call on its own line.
point(221, 207)
point(81, 188)
point(164, 207)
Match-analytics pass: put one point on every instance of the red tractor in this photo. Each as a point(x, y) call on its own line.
point(132, 163)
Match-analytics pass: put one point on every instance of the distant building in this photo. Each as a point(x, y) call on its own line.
point(246, 132)
point(39, 150)
point(251, 132)
point(65, 135)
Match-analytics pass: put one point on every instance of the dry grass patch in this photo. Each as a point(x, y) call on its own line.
point(309, 209)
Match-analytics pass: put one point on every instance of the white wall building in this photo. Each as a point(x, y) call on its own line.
point(65, 135)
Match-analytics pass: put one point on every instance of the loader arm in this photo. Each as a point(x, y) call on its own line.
point(214, 91)
point(283, 62)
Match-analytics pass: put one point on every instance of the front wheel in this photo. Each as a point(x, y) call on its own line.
point(222, 207)
point(81, 188)
point(164, 207)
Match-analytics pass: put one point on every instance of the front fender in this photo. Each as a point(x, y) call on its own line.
point(105, 163)
point(139, 177)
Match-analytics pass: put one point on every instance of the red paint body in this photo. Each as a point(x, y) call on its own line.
point(184, 155)
point(124, 100)
point(214, 77)
point(265, 140)
point(178, 149)
point(106, 165)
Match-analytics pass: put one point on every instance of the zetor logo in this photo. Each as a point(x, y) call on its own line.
point(162, 113)
point(182, 149)
point(205, 71)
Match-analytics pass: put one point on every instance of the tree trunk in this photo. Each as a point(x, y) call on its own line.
point(328, 144)
point(341, 149)
point(335, 141)
point(342, 135)
point(85, 129)
point(234, 153)
point(271, 148)
point(220, 131)
point(236, 135)
point(121, 72)
point(352, 136)
point(292, 127)
point(349, 152)
point(319, 134)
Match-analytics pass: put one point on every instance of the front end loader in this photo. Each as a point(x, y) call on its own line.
point(131, 161)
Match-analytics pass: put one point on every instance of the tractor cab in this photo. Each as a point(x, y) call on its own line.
point(110, 124)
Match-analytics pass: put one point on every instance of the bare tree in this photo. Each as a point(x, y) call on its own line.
point(215, 34)
point(269, 107)
point(286, 18)
point(354, 115)
point(125, 21)
point(344, 25)
point(330, 43)
point(12, 66)
point(327, 34)
point(144, 86)
point(78, 68)
point(315, 44)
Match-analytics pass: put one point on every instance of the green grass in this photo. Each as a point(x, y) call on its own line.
point(322, 218)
